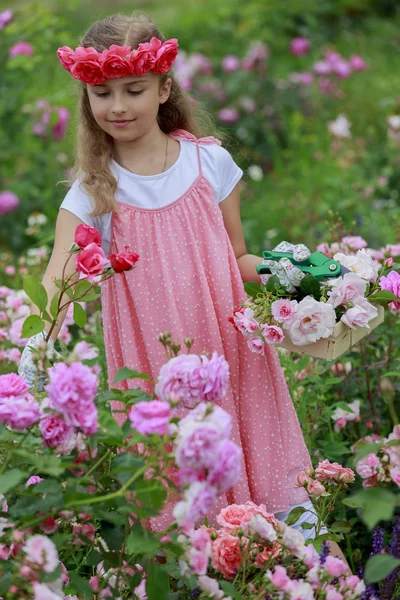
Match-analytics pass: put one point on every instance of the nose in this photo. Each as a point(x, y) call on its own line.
point(118, 107)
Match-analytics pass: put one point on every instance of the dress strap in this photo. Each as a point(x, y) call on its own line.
point(182, 134)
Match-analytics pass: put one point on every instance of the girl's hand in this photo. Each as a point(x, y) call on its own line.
point(27, 368)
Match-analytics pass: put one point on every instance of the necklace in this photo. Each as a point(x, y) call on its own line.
point(165, 161)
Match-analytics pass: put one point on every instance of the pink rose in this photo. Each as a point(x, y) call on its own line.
point(260, 509)
point(33, 480)
point(283, 310)
point(279, 577)
point(20, 48)
point(315, 488)
point(19, 412)
point(300, 46)
point(230, 63)
point(165, 56)
point(348, 288)
point(85, 235)
point(334, 566)
point(355, 242)
point(40, 550)
point(357, 63)
point(393, 249)
point(5, 18)
point(229, 116)
point(198, 449)
point(225, 555)
point(322, 68)
point(124, 261)
point(54, 430)
point(114, 62)
point(233, 516)
point(272, 334)
point(342, 69)
point(368, 466)
point(150, 417)
point(12, 385)
point(391, 283)
point(196, 503)
point(144, 58)
point(256, 345)
point(245, 321)
point(60, 127)
point(66, 57)
point(8, 202)
point(86, 66)
point(327, 470)
point(225, 472)
point(395, 475)
point(312, 321)
point(302, 479)
point(91, 261)
point(359, 315)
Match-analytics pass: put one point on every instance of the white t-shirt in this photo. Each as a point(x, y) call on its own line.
point(155, 191)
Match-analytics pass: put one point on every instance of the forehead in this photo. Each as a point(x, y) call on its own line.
point(120, 82)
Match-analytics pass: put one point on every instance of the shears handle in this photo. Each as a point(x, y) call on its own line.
point(318, 265)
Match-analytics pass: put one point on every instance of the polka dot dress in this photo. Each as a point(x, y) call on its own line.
point(188, 282)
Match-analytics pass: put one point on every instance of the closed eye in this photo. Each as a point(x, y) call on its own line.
point(104, 94)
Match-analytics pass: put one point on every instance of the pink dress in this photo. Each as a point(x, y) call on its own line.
point(188, 282)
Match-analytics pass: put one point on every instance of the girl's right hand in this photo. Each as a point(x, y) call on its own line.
point(27, 368)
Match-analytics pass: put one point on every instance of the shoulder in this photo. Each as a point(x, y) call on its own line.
point(79, 202)
point(220, 169)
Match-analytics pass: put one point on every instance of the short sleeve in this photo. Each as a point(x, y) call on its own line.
point(78, 202)
point(220, 168)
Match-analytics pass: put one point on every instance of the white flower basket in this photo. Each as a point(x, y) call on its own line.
point(342, 338)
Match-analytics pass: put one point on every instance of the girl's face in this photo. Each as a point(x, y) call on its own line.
point(126, 108)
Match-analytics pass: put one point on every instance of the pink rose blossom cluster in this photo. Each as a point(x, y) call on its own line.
point(326, 477)
point(50, 120)
point(251, 538)
point(8, 202)
point(188, 379)
point(382, 467)
point(107, 582)
point(18, 407)
point(71, 393)
point(209, 462)
point(342, 416)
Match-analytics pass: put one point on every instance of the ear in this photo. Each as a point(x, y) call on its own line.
point(165, 90)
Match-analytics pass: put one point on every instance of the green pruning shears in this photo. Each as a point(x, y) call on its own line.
point(317, 264)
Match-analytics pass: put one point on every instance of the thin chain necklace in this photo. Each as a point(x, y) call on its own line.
point(165, 161)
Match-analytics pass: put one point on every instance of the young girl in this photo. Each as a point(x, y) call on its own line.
point(147, 179)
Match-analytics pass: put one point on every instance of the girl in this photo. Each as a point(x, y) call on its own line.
point(146, 178)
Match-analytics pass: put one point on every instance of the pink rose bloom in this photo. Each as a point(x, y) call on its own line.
point(393, 249)
point(180, 381)
point(355, 242)
point(312, 321)
point(322, 68)
point(327, 470)
point(84, 351)
point(215, 372)
point(395, 475)
point(347, 475)
point(332, 594)
point(60, 127)
point(302, 479)
point(85, 235)
point(12, 385)
point(198, 562)
point(20, 48)
point(342, 69)
point(230, 63)
point(245, 321)
point(149, 418)
point(335, 567)
point(233, 516)
point(300, 46)
point(272, 334)
point(368, 466)
point(41, 551)
point(166, 55)
point(391, 283)
point(5, 18)
point(8, 202)
point(256, 345)
point(301, 78)
point(226, 470)
point(114, 62)
point(348, 288)
point(229, 116)
point(15, 333)
point(283, 310)
point(54, 430)
point(197, 450)
point(293, 540)
point(19, 413)
point(357, 63)
point(315, 488)
point(279, 577)
point(85, 66)
point(71, 391)
point(143, 59)
point(225, 555)
point(196, 503)
point(209, 585)
point(217, 418)
point(360, 315)
point(260, 509)
point(91, 261)
point(33, 479)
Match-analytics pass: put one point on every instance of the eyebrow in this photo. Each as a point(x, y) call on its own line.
point(127, 83)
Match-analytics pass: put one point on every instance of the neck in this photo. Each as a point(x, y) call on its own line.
point(144, 146)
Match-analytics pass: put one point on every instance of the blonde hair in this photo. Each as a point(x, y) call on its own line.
point(95, 148)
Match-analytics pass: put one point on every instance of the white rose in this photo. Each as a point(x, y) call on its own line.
point(312, 321)
point(255, 173)
point(362, 264)
point(261, 526)
point(348, 415)
point(360, 315)
point(346, 289)
point(340, 127)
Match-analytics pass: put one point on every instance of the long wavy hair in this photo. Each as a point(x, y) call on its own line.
point(95, 147)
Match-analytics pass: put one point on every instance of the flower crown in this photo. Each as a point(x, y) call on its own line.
point(93, 67)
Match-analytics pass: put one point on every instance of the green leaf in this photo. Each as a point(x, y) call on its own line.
point(82, 294)
point(308, 525)
point(138, 543)
point(32, 325)
point(230, 589)
point(36, 291)
point(383, 297)
point(11, 479)
point(252, 289)
point(340, 527)
point(366, 449)
point(112, 535)
point(392, 374)
point(295, 515)
point(378, 567)
point(80, 585)
point(80, 316)
point(378, 505)
point(54, 305)
point(310, 286)
point(303, 363)
point(124, 465)
point(272, 281)
point(125, 373)
point(157, 585)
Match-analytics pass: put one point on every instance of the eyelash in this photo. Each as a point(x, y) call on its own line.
point(104, 94)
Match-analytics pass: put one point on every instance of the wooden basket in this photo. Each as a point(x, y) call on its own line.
point(342, 338)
